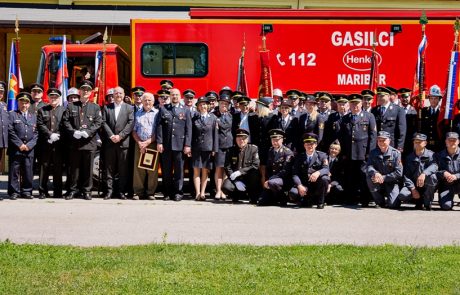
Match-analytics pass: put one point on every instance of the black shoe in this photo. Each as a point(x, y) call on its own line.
point(320, 206)
point(42, 196)
point(108, 196)
point(70, 195)
point(27, 196)
point(418, 206)
point(177, 197)
point(428, 207)
point(122, 196)
point(14, 196)
point(87, 196)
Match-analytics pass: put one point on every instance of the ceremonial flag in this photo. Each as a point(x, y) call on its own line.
point(99, 69)
point(374, 75)
point(419, 86)
point(242, 85)
point(266, 84)
point(14, 77)
point(62, 75)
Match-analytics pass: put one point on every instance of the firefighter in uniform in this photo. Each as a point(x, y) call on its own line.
point(411, 119)
point(357, 138)
point(430, 118)
point(4, 118)
point(332, 124)
point(22, 137)
point(82, 120)
point(419, 176)
point(368, 99)
point(36, 90)
point(390, 118)
point(174, 139)
point(448, 174)
point(384, 171)
point(49, 124)
point(310, 174)
point(277, 171)
point(242, 169)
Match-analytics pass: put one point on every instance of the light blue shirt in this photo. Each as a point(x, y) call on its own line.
point(144, 123)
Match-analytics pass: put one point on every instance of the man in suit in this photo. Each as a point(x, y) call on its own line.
point(137, 92)
point(244, 119)
point(49, 120)
point(4, 119)
point(332, 124)
point(391, 118)
point(36, 90)
point(310, 174)
point(294, 96)
point(430, 118)
point(22, 137)
point(358, 134)
point(174, 139)
point(289, 124)
point(368, 99)
point(242, 169)
point(118, 122)
point(82, 120)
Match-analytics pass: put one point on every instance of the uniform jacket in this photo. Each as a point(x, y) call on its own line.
point(331, 129)
point(84, 118)
point(357, 138)
point(174, 128)
point(416, 165)
point(263, 140)
point(122, 126)
point(4, 121)
point(388, 164)
point(291, 129)
point(22, 131)
point(253, 122)
point(204, 134)
point(307, 125)
point(48, 122)
point(279, 163)
point(224, 124)
point(34, 107)
point(448, 163)
point(393, 121)
point(430, 129)
point(411, 123)
point(249, 162)
point(337, 169)
point(301, 170)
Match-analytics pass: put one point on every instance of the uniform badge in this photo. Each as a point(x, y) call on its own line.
point(364, 127)
point(326, 162)
point(90, 118)
point(181, 116)
point(321, 126)
point(234, 160)
point(84, 126)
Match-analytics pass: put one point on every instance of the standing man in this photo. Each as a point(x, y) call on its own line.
point(411, 120)
point(189, 95)
point(82, 120)
point(390, 118)
point(310, 174)
point(384, 171)
point(22, 136)
point(174, 139)
point(49, 120)
point(294, 96)
point(4, 119)
point(430, 119)
point(368, 99)
point(137, 92)
point(36, 90)
point(242, 169)
point(332, 124)
point(145, 182)
point(448, 174)
point(357, 138)
point(244, 119)
point(118, 122)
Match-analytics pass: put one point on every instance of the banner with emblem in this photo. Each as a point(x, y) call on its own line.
point(265, 84)
point(242, 84)
point(62, 75)
point(374, 74)
point(14, 73)
point(419, 86)
point(100, 64)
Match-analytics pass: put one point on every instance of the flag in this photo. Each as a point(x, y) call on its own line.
point(419, 87)
point(242, 85)
point(14, 77)
point(374, 75)
point(62, 75)
point(265, 84)
point(100, 78)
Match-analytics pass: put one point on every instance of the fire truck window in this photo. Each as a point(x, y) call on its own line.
point(79, 69)
point(175, 59)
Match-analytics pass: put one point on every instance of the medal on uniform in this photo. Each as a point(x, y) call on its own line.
point(84, 126)
point(181, 116)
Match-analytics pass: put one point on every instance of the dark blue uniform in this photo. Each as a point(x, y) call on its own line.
point(337, 175)
point(429, 127)
point(357, 138)
point(447, 190)
point(174, 132)
point(225, 137)
point(411, 123)
point(291, 129)
point(331, 130)
point(4, 120)
point(301, 172)
point(413, 167)
point(390, 166)
point(204, 140)
point(306, 125)
point(393, 121)
point(21, 130)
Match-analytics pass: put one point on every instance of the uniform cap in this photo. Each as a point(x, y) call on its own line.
point(310, 98)
point(367, 94)
point(302, 96)
point(265, 101)
point(355, 97)
point(383, 134)
point(36, 86)
point(452, 135)
point(277, 92)
point(383, 91)
point(138, 90)
point(2, 85)
point(224, 97)
point(310, 137)
point(87, 84)
point(419, 136)
point(276, 133)
point(188, 92)
point(392, 90)
point(211, 95)
point(243, 100)
point(53, 91)
point(237, 94)
point(293, 94)
point(435, 91)
point(286, 103)
point(163, 92)
point(73, 91)
point(24, 96)
point(324, 96)
point(405, 92)
point(110, 91)
point(341, 98)
point(242, 132)
point(166, 83)
point(225, 89)
point(202, 99)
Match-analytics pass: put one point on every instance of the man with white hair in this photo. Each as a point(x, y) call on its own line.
point(430, 119)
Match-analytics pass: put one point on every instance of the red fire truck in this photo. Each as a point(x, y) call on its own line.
point(309, 50)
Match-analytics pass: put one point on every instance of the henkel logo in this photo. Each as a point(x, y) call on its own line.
point(360, 59)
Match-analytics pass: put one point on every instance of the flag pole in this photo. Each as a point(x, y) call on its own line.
point(456, 29)
point(16, 30)
point(423, 21)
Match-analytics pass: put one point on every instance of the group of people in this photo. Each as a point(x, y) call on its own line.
point(293, 147)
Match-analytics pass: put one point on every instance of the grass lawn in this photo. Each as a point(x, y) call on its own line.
point(228, 269)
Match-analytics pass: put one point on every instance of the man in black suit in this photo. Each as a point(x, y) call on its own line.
point(36, 90)
point(82, 120)
point(49, 120)
point(430, 116)
point(244, 119)
point(411, 120)
point(118, 122)
point(391, 118)
point(174, 139)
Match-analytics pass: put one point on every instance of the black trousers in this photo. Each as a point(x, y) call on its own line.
point(20, 175)
point(355, 185)
point(81, 171)
point(172, 169)
point(252, 182)
point(316, 192)
point(51, 164)
point(116, 167)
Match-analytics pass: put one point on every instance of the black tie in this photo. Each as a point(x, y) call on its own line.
point(382, 111)
point(355, 118)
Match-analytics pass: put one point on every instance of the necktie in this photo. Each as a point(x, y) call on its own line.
point(202, 119)
point(432, 111)
point(308, 160)
point(382, 111)
point(284, 123)
point(354, 119)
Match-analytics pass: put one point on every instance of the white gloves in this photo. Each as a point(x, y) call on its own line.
point(240, 186)
point(235, 175)
point(77, 134)
point(84, 134)
point(54, 137)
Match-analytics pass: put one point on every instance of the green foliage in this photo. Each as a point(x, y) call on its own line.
point(228, 269)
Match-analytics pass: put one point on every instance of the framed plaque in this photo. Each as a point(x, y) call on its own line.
point(148, 160)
